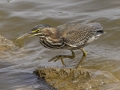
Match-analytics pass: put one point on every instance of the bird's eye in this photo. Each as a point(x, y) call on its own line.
point(38, 30)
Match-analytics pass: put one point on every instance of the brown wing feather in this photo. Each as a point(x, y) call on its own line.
point(76, 34)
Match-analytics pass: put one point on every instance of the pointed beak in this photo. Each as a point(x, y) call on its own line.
point(25, 36)
point(32, 33)
point(29, 34)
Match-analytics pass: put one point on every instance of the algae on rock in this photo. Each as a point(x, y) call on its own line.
point(75, 79)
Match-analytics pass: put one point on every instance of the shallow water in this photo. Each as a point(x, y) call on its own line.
point(19, 17)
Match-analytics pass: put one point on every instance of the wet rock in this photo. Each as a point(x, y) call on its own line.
point(6, 44)
point(7, 49)
point(114, 86)
point(76, 79)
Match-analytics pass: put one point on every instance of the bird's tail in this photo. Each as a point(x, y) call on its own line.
point(98, 29)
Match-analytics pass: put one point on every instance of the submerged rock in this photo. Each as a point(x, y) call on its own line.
point(7, 49)
point(6, 44)
point(76, 79)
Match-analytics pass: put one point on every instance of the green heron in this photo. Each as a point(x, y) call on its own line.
point(70, 36)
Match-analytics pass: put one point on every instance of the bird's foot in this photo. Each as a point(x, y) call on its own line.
point(60, 57)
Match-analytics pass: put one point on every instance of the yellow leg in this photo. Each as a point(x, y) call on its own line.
point(84, 52)
point(62, 61)
point(60, 57)
point(83, 57)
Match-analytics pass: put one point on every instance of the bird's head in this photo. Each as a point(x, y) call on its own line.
point(37, 30)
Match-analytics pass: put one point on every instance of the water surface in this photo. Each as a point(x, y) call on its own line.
point(19, 16)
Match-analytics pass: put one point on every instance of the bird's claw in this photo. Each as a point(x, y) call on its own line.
point(59, 57)
point(54, 58)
